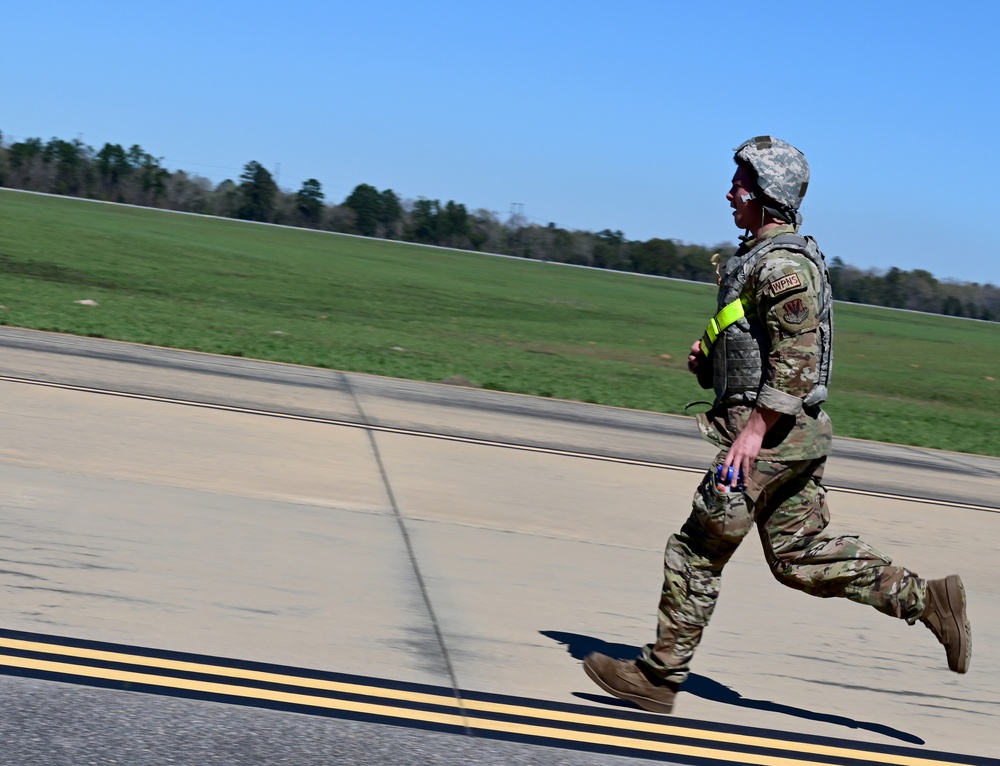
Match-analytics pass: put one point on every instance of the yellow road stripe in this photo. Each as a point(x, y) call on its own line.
point(734, 739)
point(425, 698)
point(210, 687)
point(249, 675)
point(405, 713)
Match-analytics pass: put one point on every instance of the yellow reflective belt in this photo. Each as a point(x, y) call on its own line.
point(729, 314)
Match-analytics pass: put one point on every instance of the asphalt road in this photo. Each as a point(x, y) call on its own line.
point(465, 544)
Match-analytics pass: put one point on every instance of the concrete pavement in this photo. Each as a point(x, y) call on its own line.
point(392, 554)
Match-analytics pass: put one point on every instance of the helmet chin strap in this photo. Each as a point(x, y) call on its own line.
point(747, 233)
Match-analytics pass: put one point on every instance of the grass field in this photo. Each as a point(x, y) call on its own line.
point(427, 314)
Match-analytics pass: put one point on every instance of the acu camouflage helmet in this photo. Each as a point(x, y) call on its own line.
point(781, 171)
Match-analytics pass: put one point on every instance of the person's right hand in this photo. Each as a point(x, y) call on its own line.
point(695, 357)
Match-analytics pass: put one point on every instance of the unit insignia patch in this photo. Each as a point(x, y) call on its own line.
point(796, 312)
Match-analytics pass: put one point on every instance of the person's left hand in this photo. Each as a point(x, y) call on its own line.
point(743, 454)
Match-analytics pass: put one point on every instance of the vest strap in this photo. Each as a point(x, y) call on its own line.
point(730, 314)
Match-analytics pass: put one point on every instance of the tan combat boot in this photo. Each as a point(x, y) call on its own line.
point(626, 680)
point(944, 613)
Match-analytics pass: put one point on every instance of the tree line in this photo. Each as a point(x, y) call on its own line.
point(134, 176)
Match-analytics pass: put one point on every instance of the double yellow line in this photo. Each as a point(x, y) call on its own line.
point(500, 717)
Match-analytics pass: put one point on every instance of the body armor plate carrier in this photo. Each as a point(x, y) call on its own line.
point(737, 344)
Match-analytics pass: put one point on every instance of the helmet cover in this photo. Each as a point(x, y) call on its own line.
point(781, 171)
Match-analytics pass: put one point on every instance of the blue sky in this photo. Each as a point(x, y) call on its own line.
point(592, 115)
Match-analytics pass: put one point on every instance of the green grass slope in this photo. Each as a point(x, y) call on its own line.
point(423, 313)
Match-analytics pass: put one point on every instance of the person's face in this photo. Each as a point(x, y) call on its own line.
point(746, 211)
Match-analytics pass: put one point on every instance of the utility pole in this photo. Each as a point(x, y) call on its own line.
point(514, 225)
point(516, 220)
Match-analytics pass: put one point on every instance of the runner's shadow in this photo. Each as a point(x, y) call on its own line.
point(701, 686)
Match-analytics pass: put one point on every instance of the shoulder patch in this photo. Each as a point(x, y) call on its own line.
point(796, 312)
point(783, 285)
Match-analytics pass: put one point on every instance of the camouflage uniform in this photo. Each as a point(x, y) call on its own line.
point(784, 493)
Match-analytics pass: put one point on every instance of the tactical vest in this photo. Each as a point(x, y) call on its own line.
point(738, 343)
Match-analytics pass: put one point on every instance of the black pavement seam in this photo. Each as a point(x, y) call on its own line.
point(456, 437)
point(453, 679)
